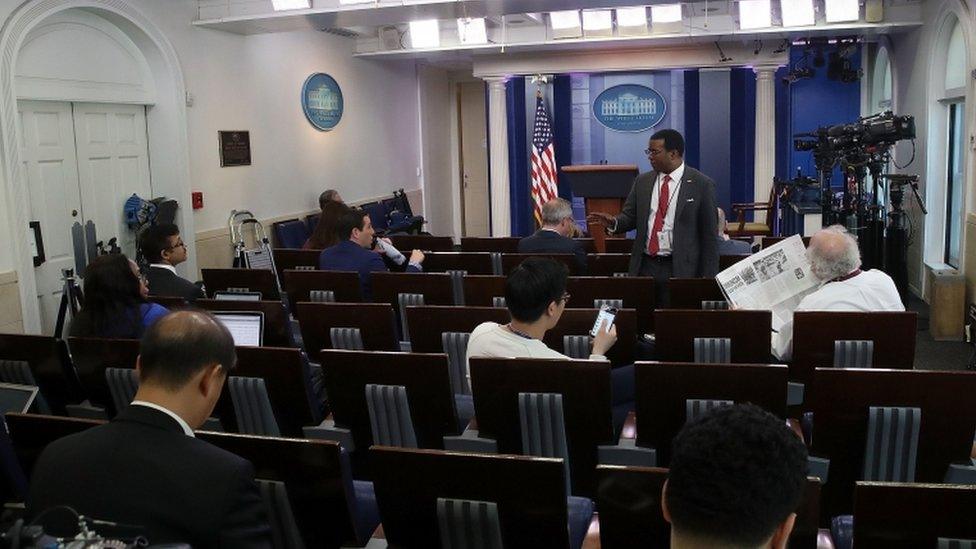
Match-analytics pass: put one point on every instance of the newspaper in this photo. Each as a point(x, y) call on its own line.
point(774, 279)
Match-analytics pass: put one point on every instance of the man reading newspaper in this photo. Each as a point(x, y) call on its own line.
point(826, 277)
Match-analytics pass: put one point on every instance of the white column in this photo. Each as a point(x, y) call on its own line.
point(501, 215)
point(765, 134)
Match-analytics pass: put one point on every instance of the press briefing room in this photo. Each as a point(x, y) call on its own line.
point(488, 274)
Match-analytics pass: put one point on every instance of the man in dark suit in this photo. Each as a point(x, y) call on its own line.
point(353, 252)
point(726, 245)
point(163, 248)
point(146, 468)
point(673, 209)
point(553, 237)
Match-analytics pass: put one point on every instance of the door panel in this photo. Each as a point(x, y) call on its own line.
point(474, 158)
point(113, 163)
point(51, 168)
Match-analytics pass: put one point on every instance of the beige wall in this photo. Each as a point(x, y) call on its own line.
point(11, 319)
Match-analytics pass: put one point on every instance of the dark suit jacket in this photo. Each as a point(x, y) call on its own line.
point(166, 283)
point(141, 469)
point(733, 247)
point(694, 246)
point(551, 242)
point(349, 256)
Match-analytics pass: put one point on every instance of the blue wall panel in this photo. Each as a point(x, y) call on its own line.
point(714, 138)
point(742, 129)
point(520, 200)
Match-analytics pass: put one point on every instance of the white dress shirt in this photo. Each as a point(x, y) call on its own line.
point(186, 428)
point(166, 266)
point(674, 186)
point(868, 291)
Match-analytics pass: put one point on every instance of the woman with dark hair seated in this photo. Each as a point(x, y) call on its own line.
point(326, 235)
point(115, 300)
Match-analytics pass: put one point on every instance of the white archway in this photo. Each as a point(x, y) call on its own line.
point(166, 122)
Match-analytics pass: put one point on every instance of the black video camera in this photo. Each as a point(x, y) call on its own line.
point(882, 129)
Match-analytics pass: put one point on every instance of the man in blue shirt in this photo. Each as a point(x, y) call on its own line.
point(353, 252)
point(726, 245)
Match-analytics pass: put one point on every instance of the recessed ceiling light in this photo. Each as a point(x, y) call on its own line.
point(282, 5)
point(666, 13)
point(565, 24)
point(797, 13)
point(838, 11)
point(754, 14)
point(425, 34)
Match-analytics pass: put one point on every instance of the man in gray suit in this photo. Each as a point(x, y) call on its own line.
point(673, 209)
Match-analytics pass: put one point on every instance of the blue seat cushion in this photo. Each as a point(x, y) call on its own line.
point(580, 512)
point(465, 409)
point(367, 511)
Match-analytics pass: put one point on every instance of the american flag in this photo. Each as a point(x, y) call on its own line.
point(543, 159)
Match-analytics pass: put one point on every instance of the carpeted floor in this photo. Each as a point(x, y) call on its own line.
point(936, 355)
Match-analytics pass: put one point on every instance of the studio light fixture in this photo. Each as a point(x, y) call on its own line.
point(566, 24)
point(282, 5)
point(471, 30)
point(666, 13)
point(597, 23)
point(754, 14)
point(797, 13)
point(839, 11)
point(632, 21)
point(425, 33)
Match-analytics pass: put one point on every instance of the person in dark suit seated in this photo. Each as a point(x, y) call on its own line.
point(145, 468)
point(736, 478)
point(116, 300)
point(553, 237)
point(353, 252)
point(726, 245)
point(163, 248)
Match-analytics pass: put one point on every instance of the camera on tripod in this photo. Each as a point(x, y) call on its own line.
point(879, 130)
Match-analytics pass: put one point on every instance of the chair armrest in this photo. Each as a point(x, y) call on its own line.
point(86, 410)
point(818, 467)
point(627, 453)
point(327, 430)
point(960, 474)
point(469, 441)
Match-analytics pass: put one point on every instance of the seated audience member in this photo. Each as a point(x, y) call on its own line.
point(115, 303)
point(325, 234)
point(163, 248)
point(330, 195)
point(726, 245)
point(737, 475)
point(352, 253)
point(555, 235)
point(145, 467)
point(835, 260)
point(535, 294)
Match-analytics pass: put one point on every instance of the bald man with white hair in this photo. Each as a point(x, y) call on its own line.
point(836, 261)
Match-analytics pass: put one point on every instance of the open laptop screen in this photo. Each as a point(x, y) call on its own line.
point(16, 398)
point(246, 327)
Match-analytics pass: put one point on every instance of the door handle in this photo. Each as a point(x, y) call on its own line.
point(37, 244)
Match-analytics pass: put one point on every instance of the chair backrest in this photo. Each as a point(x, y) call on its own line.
point(747, 331)
point(346, 338)
point(423, 242)
point(295, 259)
point(476, 263)
point(713, 305)
point(376, 321)
point(479, 289)
point(322, 296)
point(405, 300)
point(608, 264)
point(284, 529)
point(853, 353)
point(456, 347)
point(122, 384)
point(290, 234)
point(697, 407)
point(891, 448)
point(389, 416)
point(299, 284)
point(247, 280)
point(629, 292)
point(50, 365)
point(580, 321)
point(252, 406)
point(466, 524)
point(689, 293)
point(507, 244)
point(429, 322)
point(19, 372)
point(906, 516)
point(277, 324)
point(544, 427)
point(615, 303)
point(498, 302)
point(457, 284)
point(952, 543)
point(91, 355)
point(576, 346)
point(713, 350)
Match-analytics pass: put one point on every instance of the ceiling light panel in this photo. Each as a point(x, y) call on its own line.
point(666, 13)
point(797, 13)
point(472, 30)
point(566, 24)
point(425, 34)
point(598, 23)
point(282, 5)
point(839, 11)
point(632, 21)
point(754, 14)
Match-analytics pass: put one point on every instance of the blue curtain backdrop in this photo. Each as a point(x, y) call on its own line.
point(519, 180)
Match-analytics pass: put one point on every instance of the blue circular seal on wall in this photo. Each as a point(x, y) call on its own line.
point(629, 108)
point(322, 101)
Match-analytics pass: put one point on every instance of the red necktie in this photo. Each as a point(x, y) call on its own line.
point(662, 211)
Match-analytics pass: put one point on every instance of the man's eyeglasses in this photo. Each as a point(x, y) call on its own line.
point(653, 152)
point(565, 298)
point(179, 244)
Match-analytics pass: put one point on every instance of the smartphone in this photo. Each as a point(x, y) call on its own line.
point(607, 314)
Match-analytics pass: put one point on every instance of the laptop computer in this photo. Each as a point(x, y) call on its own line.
point(247, 327)
point(16, 398)
point(237, 296)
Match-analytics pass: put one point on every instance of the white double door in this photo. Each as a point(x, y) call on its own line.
point(82, 162)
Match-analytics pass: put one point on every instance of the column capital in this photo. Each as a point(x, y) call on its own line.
point(495, 80)
point(765, 71)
